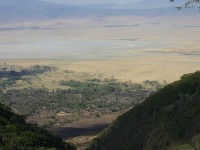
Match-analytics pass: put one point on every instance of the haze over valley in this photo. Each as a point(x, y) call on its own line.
point(142, 35)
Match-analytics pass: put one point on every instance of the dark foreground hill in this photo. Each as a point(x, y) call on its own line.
point(169, 119)
point(15, 134)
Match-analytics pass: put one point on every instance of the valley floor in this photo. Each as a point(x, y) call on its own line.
point(83, 131)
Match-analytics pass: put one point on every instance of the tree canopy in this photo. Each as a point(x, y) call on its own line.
point(187, 4)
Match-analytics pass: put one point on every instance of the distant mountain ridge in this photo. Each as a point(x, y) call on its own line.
point(23, 10)
point(20, 10)
point(149, 4)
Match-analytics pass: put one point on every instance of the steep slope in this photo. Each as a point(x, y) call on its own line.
point(166, 120)
point(15, 134)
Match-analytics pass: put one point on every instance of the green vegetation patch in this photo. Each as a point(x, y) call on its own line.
point(83, 99)
point(10, 74)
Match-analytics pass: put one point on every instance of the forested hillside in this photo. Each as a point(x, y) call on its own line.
point(168, 119)
point(15, 134)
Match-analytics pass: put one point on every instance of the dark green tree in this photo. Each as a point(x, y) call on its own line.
point(187, 4)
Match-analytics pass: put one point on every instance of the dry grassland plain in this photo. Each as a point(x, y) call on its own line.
point(129, 48)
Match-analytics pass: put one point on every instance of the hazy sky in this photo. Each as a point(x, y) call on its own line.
point(88, 2)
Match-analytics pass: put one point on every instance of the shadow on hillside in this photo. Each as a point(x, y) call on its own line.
point(68, 132)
